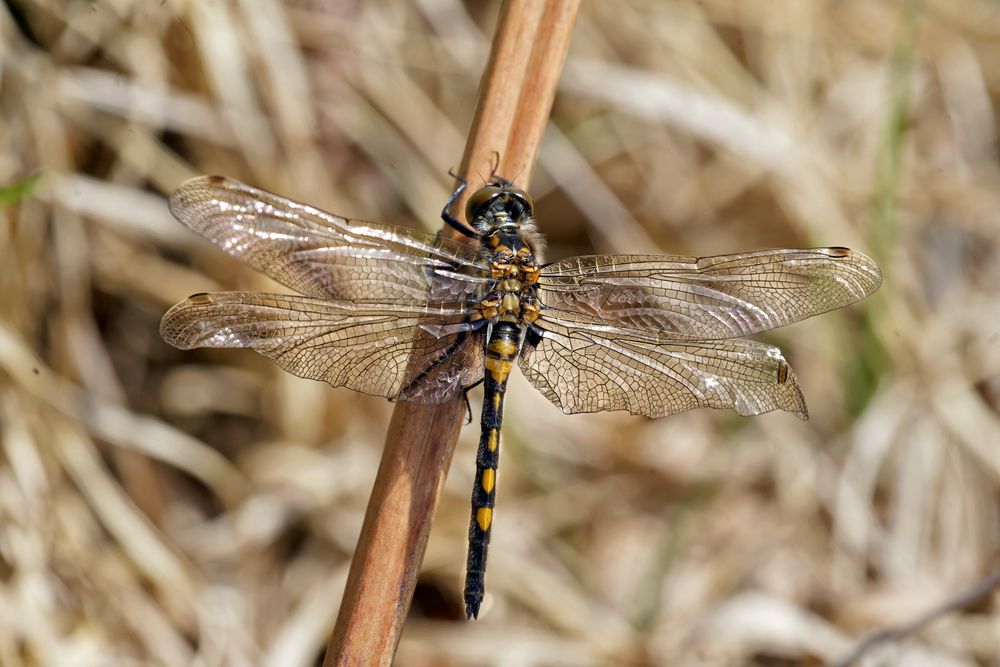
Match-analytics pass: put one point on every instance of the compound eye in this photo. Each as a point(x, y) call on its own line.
point(479, 199)
point(521, 194)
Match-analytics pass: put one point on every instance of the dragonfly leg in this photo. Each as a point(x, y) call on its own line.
point(413, 387)
point(497, 178)
point(446, 215)
point(468, 406)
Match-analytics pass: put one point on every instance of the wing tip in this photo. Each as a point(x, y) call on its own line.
point(796, 400)
point(800, 409)
point(796, 405)
point(180, 326)
point(205, 179)
point(863, 263)
point(192, 188)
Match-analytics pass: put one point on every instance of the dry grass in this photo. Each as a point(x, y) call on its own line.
point(170, 508)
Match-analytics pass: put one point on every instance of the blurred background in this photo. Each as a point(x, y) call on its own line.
point(160, 507)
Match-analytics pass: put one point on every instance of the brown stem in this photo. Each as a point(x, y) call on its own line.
point(515, 100)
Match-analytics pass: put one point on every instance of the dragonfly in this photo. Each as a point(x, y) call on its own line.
point(418, 317)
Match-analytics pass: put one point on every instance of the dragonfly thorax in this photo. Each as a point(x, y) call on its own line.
point(501, 214)
point(513, 297)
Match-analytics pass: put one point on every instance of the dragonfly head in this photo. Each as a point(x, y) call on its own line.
point(496, 206)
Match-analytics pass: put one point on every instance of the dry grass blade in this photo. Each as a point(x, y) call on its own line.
point(967, 598)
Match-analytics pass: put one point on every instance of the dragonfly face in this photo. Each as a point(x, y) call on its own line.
point(416, 317)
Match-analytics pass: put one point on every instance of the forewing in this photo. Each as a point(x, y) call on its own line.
point(323, 255)
point(381, 350)
point(589, 370)
point(706, 298)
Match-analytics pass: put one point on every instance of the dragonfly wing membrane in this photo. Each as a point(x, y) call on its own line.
point(376, 349)
point(323, 255)
point(415, 317)
point(708, 298)
point(584, 369)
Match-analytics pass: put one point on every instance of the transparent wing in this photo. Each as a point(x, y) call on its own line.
point(588, 369)
point(706, 298)
point(323, 255)
point(389, 351)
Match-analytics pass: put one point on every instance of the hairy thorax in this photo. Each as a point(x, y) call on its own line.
point(515, 269)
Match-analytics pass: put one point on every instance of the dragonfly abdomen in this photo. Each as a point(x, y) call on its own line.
point(501, 352)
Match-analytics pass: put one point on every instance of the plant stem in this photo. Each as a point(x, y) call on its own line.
point(516, 96)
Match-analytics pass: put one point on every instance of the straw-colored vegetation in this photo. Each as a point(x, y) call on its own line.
point(159, 507)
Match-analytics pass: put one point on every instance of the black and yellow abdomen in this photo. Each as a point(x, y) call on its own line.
point(501, 353)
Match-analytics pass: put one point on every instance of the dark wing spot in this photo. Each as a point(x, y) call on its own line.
point(838, 252)
point(782, 372)
point(200, 299)
point(215, 179)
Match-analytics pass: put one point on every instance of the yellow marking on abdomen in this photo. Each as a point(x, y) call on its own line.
point(496, 401)
point(498, 368)
point(493, 439)
point(503, 347)
point(484, 517)
point(489, 479)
